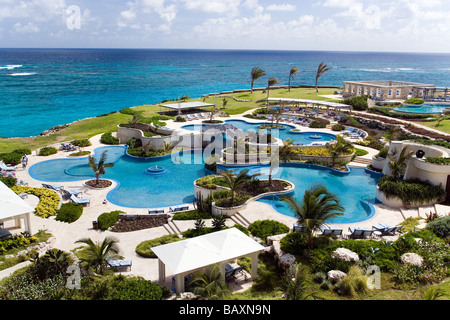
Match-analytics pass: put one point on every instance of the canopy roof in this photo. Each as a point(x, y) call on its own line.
point(198, 252)
point(186, 105)
point(11, 205)
point(321, 103)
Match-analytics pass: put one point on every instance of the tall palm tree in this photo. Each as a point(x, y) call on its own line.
point(317, 206)
point(320, 71)
point(271, 82)
point(398, 164)
point(256, 73)
point(209, 284)
point(292, 73)
point(99, 168)
point(96, 254)
point(234, 181)
point(340, 147)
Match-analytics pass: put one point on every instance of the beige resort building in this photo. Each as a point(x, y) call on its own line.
point(388, 89)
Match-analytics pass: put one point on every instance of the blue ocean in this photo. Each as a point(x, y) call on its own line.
point(41, 88)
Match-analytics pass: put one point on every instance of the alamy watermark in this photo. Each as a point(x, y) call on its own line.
point(73, 17)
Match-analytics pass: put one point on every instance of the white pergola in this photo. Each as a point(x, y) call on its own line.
point(14, 207)
point(180, 106)
point(217, 248)
point(327, 104)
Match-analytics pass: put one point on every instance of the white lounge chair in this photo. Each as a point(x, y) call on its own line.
point(189, 117)
point(4, 167)
point(119, 264)
point(81, 201)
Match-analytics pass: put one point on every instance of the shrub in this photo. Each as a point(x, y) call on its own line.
point(358, 102)
point(48, 200)
point(136, 288)
point(414, 101)
point(108, 219)
point(337, 127)
point(438, 160)
point(317, 124)
point(8, 181)
point(107, 138)
point(191, 215)
point(46, 151)
point(143, 248)
point(81, 143)
point(440, 226)
point(69, 212)
point(265, 228)
point(14, 157)
point(293, 243)
point(180, 119)
point(353, 283)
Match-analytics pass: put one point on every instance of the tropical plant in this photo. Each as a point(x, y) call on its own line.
point(340, 147)
point(398, 164)
point(256, 73)
point(234, 181)
point(317, 206)
point(96, 253)
point(271, 82)
point(218, 222)
point(392, 133)
point(320, 71)
point(99, 168)
point(209, 284)
point(296, 285)
point(292, 73)
point(52, 263)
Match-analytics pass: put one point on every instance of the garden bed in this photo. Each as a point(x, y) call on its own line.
point(102, 183)
point(128, 223)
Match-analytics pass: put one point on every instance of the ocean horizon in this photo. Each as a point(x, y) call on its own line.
point(42, 88)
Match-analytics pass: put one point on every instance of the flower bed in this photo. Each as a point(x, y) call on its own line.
point(48, 200)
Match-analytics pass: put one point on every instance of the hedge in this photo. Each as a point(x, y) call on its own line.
point(48, 200)
point(46, 151)
point(265, 228)
point(107, 138)
point(69, 212)
point(143, 249)
point(440, 226)
point(108, 219)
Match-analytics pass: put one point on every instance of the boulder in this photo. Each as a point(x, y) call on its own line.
point(335, 275)
point(344, 254)
point(286, 261)
point(412, 259)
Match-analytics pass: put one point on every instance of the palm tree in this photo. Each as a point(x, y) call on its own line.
point(96, 253)
point(320, 71)
point(209, 284)
point(100, 167)
point(392, 133)
point(318, 205)
point(292, 72)
point(271, 82)
point(234, 181)
point(256, 73)
point(340, 147)
point(397, 165)
point(296, 285)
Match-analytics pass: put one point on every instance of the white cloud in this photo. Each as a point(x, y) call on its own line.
point(281, 7)
point(28, 28)
point(229, 7)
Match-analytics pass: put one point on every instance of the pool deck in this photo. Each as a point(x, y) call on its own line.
point(66, 234)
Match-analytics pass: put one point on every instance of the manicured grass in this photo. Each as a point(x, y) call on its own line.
point(444, 126)
point(90, 127)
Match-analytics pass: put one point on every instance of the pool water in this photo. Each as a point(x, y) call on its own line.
point(304, 138)
point(424, 108)
point(138, 189)
point(355, 190)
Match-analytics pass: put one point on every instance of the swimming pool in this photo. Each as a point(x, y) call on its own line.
point(424, 108)
point(137, 187)
point(298, 137)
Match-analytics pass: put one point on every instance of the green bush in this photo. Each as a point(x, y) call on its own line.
point(8, 181)
point(48, 200)
point(180, 119)
point(81, 143)
point(294, 243)
point(108, 219)
point(438, 160)
point(69, 212)
point(107, 138)
point(337, 127)
point(440, 226)
point(414, 101)
point(265, 228)
point(46, 151)
point(143, 248)
point(358, 102)
point(317, 124)
point(136, 288)
point(191, 215)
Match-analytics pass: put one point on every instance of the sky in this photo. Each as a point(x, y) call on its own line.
point(334, 25)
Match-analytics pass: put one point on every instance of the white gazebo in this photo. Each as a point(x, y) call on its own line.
point(14, 207)
point(183, 106)
point(186, 256)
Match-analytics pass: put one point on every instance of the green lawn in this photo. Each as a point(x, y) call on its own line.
point(90, 127)
point(444, 126)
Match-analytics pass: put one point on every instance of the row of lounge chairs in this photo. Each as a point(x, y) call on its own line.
point(196, 116)
point(65, 146)
point(438, 98)
point(71, 194)
point(380, 229)
point(171, 209)
point(7, 168)
point(354, 133)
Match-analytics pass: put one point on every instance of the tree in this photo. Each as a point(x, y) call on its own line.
point(256, 73)
point(100, 167)
point(292, 73)
point(398, 164)
point(234, 181)
point(320, 71)
point(296, 285)
point(317, 206)
point(392, 133)
point(96, 253)
point(340, 147)
point(209, 284)
point(271, 82)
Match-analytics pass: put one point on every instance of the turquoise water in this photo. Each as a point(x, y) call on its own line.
point(41, 88)
point(138, 189)
point(424, 108)
point(304, 137)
